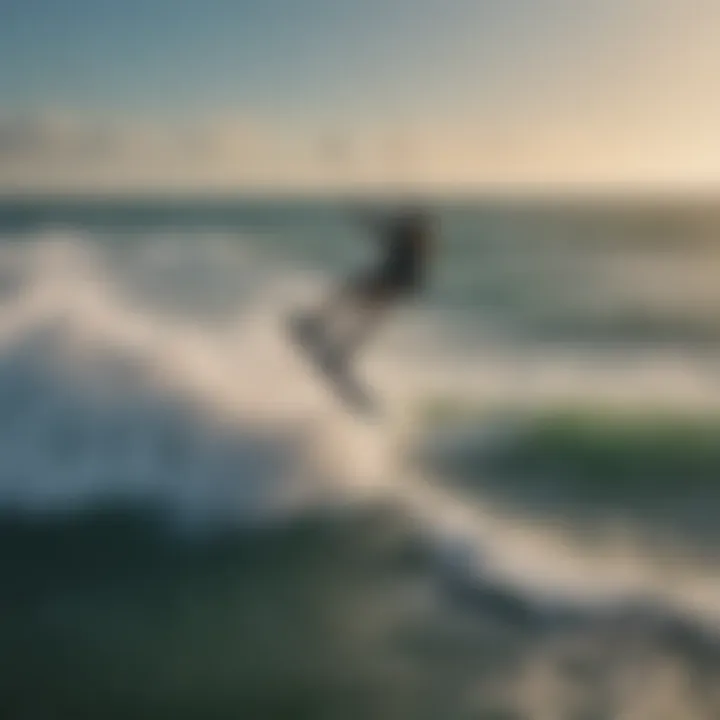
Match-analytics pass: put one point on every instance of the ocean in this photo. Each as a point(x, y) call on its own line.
point(193, 526)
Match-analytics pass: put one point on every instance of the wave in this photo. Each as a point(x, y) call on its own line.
point(158, 371)
point(189, 520)
point(594, 454)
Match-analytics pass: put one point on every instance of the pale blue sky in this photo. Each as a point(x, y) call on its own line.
point(312, 57)
point(615, 72)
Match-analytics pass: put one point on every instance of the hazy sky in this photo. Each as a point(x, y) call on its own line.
point(268, 93)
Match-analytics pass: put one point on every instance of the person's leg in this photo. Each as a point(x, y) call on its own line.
point(341, 307)
point(369, 311)
point(340, 300)
point(316, 325)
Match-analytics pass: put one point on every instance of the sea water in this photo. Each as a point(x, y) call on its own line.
point(194, 526)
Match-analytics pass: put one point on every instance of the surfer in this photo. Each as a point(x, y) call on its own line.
point(364, 300)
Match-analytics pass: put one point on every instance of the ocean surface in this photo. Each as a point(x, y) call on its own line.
point(192, 525)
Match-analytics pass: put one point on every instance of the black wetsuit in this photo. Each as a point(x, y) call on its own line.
point(403, 268)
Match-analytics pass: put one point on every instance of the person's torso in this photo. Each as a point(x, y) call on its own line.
point(407, 252)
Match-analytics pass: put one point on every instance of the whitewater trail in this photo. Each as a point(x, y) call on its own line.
point(73, 326)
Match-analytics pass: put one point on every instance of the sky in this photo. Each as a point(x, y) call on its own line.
point(322, 94)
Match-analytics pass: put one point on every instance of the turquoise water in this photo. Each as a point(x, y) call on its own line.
point(193, 527)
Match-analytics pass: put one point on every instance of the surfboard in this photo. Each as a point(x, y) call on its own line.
point(335, 374)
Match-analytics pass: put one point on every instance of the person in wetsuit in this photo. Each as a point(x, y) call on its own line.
point(405, 240)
